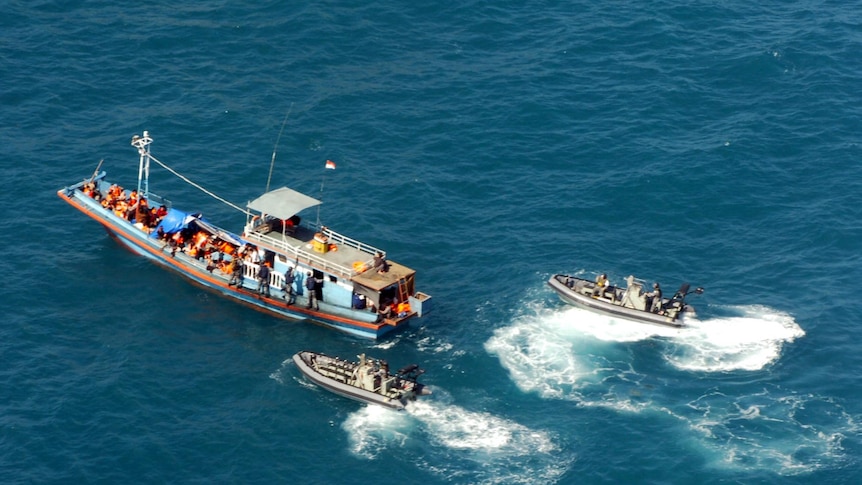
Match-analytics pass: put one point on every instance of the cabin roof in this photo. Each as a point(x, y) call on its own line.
point(282, 203)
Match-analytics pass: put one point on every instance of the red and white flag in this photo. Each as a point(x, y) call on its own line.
point(330, 164)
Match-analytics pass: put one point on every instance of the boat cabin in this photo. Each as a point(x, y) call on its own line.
point(353, 274)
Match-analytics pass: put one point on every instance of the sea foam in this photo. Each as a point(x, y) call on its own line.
point(478, 447)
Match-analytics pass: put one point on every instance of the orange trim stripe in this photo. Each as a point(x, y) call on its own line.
point(184, 270)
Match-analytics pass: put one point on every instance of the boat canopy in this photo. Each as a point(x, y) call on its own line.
point(282, 203)
point(219, 233)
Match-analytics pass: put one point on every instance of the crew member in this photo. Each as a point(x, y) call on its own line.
point(236, 275)
point(601, 286)
point(311, 286)
point(289, 293)
point(655, 294)
point(380, 263)
point(263, 280)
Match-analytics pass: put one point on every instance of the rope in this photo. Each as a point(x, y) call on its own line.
point(186, 179)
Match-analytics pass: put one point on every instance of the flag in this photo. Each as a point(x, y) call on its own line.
point(330, 164)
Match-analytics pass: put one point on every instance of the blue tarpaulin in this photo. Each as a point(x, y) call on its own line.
point(173, 222)
point(176, 220)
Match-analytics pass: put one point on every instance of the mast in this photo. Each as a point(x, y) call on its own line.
point(143, 146)
point(272, 162)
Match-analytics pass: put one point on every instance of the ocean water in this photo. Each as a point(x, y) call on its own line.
point(488, 146)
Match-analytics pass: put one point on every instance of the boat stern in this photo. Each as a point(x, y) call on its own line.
point(420, 303)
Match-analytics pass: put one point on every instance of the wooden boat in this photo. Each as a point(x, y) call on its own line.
point(368, 380)
point(631, 302)
point(355, 290)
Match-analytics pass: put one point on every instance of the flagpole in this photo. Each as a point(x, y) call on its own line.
point(329, 165)
point(320, 197)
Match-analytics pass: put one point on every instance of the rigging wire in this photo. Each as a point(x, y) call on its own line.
point(188, 181)
point(272, 162)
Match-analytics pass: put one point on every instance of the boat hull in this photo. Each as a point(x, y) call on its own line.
point(358, 323)
point(303, 361)
point(572, 297)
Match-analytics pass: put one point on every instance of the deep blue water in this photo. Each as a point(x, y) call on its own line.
point(488, 146)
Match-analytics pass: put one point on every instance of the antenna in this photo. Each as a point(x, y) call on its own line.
point(272, 162)
point(329, 165)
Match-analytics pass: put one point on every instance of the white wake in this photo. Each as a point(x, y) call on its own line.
point(453, 442)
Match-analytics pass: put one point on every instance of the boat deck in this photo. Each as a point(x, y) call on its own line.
point(349, 259)
point(630, 303)
point(368, 380)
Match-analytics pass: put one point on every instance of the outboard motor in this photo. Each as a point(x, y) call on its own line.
point(678, 299)
point(684, 290)
point(680, 294)
point(411, 372)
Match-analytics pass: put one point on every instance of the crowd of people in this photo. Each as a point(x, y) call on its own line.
point(127, 204)
point(221, 255)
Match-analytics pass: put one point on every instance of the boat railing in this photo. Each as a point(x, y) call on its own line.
point(276, 280)
point(301, 254)
point(157, 200)
point(102, 186)
point(339, 238)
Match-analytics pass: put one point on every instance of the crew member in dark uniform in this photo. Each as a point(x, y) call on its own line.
point(263, 280)
point(655, 294)
point(289, 293)
point(311, 286)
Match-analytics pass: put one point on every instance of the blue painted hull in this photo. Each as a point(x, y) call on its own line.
point(360, 323)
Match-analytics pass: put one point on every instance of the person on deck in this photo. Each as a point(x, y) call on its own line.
point(380, 263)
point(177, 243)
point(211, 265)
point(655, 294)
point(236, 275)
point(161, 212)
point(403, 309)
point(289, 293)
point(263, 280)
point(311, 286)
point(142, 213)
point(601, 286)
point(387, 311)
